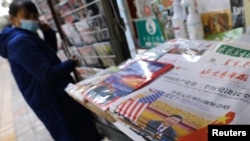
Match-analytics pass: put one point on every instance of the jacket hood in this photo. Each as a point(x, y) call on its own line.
point(5, 36)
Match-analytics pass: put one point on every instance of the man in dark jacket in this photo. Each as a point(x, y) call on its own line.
point(42, 77)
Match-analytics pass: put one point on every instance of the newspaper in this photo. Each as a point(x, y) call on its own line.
point(199, 92)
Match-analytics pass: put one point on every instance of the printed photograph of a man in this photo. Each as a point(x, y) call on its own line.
point(163, 130)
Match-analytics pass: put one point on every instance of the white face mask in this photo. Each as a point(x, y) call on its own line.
point(30, 25)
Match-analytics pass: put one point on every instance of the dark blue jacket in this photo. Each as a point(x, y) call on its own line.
point(41, 78)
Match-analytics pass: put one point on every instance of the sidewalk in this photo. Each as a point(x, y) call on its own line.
point(17, 121)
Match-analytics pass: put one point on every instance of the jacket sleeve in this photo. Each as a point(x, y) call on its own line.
point(50, 39)
point(28, 54)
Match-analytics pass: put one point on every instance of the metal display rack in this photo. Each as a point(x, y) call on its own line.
point(99, 27)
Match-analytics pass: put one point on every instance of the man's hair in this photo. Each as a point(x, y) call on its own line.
point(16, 5)
point(177, 116)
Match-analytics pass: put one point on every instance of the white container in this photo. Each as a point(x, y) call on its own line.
point(178, 20)
point(194, 23)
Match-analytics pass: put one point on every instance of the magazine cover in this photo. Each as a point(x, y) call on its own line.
point(105, 53)
point(77, 90)
point(72, 34)
point(43, 7)
point(81, 26)
point(85, 72)
point(133, 76)
point(217, 21)
point(75, 3)
point(64, 8)
point(192, 96)
point(69, 29)
point(96, 22)
point(163, 16)
point(237, 13)
point(88, 37)
point(102, 35)
point(143, 8)
point(89, 56)
point(74, 51)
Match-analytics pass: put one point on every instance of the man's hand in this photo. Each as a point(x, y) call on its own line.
point(44, 26)
point(75, 59)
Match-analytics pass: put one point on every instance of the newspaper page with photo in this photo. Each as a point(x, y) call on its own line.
point(199, 93)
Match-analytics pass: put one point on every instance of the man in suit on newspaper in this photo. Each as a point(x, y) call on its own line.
point(163, 129)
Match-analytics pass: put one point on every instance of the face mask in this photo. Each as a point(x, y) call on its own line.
point(30, 25)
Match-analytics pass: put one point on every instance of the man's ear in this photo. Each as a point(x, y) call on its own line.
point(12, 20)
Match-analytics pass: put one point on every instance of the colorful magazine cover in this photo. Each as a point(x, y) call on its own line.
point(133, 76)
point(77, 90)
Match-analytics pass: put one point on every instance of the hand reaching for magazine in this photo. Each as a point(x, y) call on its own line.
point(44, 26)
point(76, 59)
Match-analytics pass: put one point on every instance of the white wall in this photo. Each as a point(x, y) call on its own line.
point(3, 15)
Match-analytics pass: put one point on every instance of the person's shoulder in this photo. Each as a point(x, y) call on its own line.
point(19, 36)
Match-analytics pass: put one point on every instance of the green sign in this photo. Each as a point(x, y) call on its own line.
point(233, 51)
point(149, 32)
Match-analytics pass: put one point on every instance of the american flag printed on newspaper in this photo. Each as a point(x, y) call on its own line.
point(132, 108)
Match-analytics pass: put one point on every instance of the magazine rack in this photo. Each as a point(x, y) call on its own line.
point(87, 28)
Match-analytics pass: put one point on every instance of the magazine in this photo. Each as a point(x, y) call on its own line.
point(64, 8)
point(133, 76)
point(89, 56)
point(81, 26)
point(43, 7)
point(105, 53)
point(77, 90)
point(72, 34)
point(96, 22)
point(85, 72)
